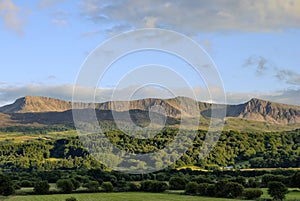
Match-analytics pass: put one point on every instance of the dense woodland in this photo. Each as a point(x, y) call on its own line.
point(240, 150)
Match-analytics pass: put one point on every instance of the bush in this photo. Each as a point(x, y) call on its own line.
point(241, 180)
point(202, 189)
point(71, 199)
point(191, 188)
point(65, 185)
point(158, 187)
point(277, 190)
point(26, 183)
point(153, 186)
point(202, 179)
point(228, 189)
point(41, 187)
point(252, 183)
point(132, 187)
point(279, 178)
point(252, 193)
point(6, 186)
point(220, 188)
point(295, 181)
point(210, 191)
point(177, 183)
point(146, 185)
point(93, 186)
point(76, 184)
point(107, 187)
point(233, 189)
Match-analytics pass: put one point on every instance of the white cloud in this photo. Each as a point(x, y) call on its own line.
point(10, 14)
point(289, 76)
point(197, 16)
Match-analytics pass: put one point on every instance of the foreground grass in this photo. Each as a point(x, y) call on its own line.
point(116, 197)
point(133, 196)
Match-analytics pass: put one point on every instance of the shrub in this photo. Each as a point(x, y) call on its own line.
point(191, 188)
point(153, 186)
point(252, 183)
point(146, 185)
point(93, 186)
point(76, 184)
point(252, 193)
point(241, 180)
point(41, 187)
point(277, 190)
point(6, 186)
point(158, 187)
point(107, 187)
point(233, 189)
point(202, 179)
point(132, 187)
point(279, 178)
point(202, 189)
point(26, 183)
point(220, 188)
point(71, 199)
point(65, 185)
point(295, 181)
point(177, 183)
point(210, 191)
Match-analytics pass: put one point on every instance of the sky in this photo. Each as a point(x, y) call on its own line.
point(254, 45)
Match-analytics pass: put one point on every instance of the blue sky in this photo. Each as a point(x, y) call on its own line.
point(253, 43)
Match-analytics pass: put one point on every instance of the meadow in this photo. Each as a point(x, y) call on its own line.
point(116, 197)
point(293, 195)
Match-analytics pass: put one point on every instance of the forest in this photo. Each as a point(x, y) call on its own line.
point(234, 149)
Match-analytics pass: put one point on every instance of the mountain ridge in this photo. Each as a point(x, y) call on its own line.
point(254, 109)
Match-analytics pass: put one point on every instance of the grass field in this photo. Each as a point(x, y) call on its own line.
point(130, 196)
point(116, 197)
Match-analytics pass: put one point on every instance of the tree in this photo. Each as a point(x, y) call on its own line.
point(177, 183)
point(107, 187)
point(6, 186)
point(41, 187)
point(277, 190)
point(65, 185)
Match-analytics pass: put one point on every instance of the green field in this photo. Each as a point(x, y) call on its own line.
point(116, 197)
point(131, 197)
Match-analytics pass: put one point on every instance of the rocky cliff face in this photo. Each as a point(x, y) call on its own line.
point(261, 110)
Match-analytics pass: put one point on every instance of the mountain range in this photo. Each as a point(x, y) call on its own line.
point(33, 110)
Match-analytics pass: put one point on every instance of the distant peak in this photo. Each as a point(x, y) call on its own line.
point(257, 100)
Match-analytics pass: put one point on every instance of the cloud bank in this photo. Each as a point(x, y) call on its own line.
point(196, 16)
point(9, 93)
